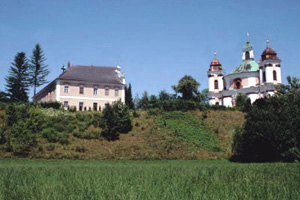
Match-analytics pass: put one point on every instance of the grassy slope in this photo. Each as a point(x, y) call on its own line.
point(67, 179)
point(166, 136)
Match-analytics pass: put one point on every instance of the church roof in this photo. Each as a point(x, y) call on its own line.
point(247, 66)
point(95, 74)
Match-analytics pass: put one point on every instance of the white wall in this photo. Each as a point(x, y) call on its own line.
point(253, 97)
point(212, 102)
point(227, 101)
point(220, 81)
point(211, 83)
point(269, 74)
point(278, 71)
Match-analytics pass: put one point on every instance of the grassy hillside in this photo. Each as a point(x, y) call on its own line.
point(155, 135)
point(75, 179)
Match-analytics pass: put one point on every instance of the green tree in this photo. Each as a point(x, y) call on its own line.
point(4, 97)
point(241, 100)
point(164, 96)
point(116, 119)
point(143, 103)
point(128, 97)
point(272, 130)
point(38, 70)
point(153, 102)
point(17, 81)
point(188, 88)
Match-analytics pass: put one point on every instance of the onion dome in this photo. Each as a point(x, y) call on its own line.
point(215, 65)
point(269, 53)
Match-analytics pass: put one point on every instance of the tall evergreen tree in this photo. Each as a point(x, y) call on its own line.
point(38, 69)
point(128, 97)
point(17, 79)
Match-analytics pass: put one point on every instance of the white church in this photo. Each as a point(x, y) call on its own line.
point(254, 79)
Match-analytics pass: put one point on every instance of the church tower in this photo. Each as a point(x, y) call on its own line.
point(269, 67)
point(215, 81)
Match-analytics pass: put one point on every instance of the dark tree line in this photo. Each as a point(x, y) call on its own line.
point(272, 129)
point(23, 74)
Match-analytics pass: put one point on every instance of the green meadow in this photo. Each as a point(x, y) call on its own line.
point(180, 179)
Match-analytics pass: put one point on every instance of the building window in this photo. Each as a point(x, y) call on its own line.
point(66, 89)
point(247, 54)
point(238, 85)
point(216, 85)
point(106, 91)
point(80, 106)
point(116, 92)
point(274, 75)
point(95, 106)
point(95, 91)
point(81, 90)
point(66, 104)
point(264, 76)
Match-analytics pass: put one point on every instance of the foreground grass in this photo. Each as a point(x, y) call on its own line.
point(67, 179)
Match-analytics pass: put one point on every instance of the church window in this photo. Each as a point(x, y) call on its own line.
point(238, 85)
point(247, 55)
point(216, 85)
point(264, 76)
point(274, 75)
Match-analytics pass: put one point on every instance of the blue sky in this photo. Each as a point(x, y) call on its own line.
point(155, 42)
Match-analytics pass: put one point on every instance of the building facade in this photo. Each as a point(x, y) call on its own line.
point(254, 79)
point(85, 87)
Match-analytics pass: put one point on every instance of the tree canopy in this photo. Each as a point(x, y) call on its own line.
point(38, 70)
point(17, 81)
point(188, 88)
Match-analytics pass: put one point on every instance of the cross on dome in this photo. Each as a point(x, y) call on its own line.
point(248, 34)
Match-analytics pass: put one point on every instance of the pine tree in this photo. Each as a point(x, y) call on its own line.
point(38, 69)
point(17, 80)
point(128, 97)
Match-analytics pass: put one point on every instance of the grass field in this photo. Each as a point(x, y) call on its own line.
point(75, 179)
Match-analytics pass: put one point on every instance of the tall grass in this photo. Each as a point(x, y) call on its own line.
point(66, 179)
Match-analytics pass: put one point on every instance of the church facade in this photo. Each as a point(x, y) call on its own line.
point(254, 79)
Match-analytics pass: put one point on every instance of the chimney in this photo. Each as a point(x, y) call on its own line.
point(69, 65)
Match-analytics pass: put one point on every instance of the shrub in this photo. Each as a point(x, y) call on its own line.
point(51, 135)
point(92, 133)
point(116, 119)
point(77, 134)
point(63, 138)
point(72, 109)
point(136, 114)
point(51, 104)
point(21, 138)
point(2, 135)
point(51, 147)
point(271, 131)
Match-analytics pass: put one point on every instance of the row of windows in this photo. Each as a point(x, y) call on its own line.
point(237, 84)
point(95, 90)
point(81, 106)
point(274, 76)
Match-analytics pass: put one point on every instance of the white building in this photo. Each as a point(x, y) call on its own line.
point(256, 80)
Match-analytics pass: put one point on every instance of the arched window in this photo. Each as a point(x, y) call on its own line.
point(247, 55)
point(216, 85)
point(238, 85)
point(274, 75)
point(264, 76)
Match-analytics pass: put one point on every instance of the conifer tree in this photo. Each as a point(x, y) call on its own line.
point(17, 79)
point(38, 69)
point(128, 97)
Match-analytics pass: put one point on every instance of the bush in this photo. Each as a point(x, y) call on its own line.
point(136, 114)
point(116, 119)
point(271, 131)
point(51, 104)
point(92, 133)
point(2, 135)
point(72, 109)
point(21, 138)
point(51, 135)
